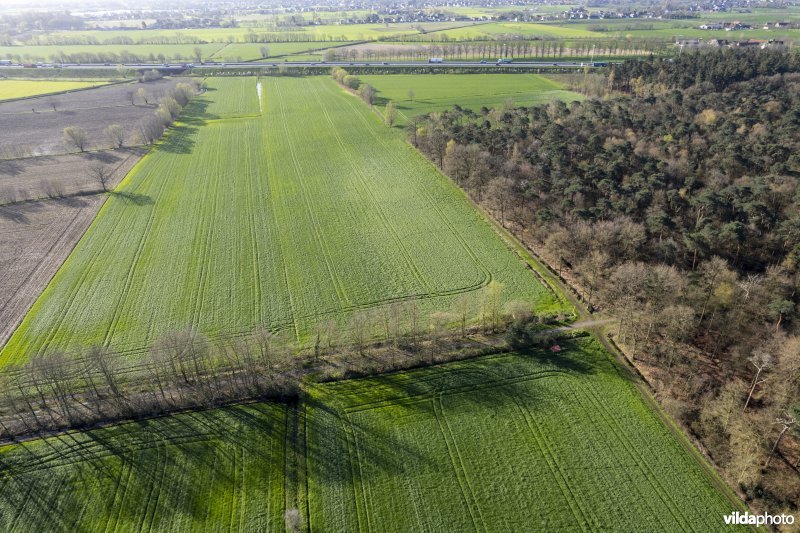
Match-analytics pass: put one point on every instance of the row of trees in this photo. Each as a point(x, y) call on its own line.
point(679, 211)
point(525, 49)
point(186, 369)
point(366, 91)
point(149, 129)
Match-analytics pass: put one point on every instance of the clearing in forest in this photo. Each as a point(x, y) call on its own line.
point(439, 92)
point(306, 213)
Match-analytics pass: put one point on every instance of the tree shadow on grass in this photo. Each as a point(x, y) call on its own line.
point(133, 198)
point(179, 460)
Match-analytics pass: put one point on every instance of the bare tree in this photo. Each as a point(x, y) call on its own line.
point(411, 95)
point(115, 134)
point(787, 421)
point(367, 93)
point(761, 361)
point(101, 174)
point(76, 137)
point(150, 129)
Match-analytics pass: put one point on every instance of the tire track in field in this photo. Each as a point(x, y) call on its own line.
point(625, 471)
point(270, 198)
point(25, 499)
point(125, 472)
point(357, 490)
point(457, 462)
point(209, 224)
point(619, 433)
point(432, 204)
point(365, 488)
point(343, 298)
point(236, 489)
point(159, 467)
point(370, 196)
point(256, 253)
point(580, 517)
point(75, 288)
point(137, 256)
point(161, 484)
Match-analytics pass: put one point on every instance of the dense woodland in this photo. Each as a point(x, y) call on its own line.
point(674, 204)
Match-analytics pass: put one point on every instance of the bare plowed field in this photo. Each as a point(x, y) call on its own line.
point(34, 126)
point(35, 238)
point(61, 175)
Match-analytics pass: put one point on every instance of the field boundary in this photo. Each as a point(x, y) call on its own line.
point(57, 93)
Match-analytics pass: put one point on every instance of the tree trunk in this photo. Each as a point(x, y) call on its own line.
point(775, 448)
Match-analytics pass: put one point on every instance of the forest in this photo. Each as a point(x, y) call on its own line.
point(673, 204)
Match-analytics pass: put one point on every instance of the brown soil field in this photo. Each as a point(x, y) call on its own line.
point(61, 175)
point(32, 127)
point(37, 236)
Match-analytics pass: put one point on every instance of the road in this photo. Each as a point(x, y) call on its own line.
point(263, 65)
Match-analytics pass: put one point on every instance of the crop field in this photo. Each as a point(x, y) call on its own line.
point(232, 97)
point(502, 443)
point(471, 91)
point(248, 51)
point(187, 472)
point(323, 32)
point(311, 211)
point(11, 89)
point(34, 126)
point(509, 442)
point(156, 52)
point(529, 29)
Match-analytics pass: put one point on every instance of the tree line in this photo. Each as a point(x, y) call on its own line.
point(517, 49)
point(676, 208)
point(186, 369)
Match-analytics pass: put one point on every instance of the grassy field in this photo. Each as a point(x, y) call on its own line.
point(512, 442)
point(10, 89)
point(307, 213)
point(323, 32)
point(232, 97)
point(192, 472)
point(169, 52)
point(503, 443)
point(473, 91)
point(249, 51)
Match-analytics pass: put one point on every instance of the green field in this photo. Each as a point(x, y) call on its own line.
point(10, 89)
point(232, 97)
point(323, 32)
point(470, 91)
point(156, 52)
point(306, 213)
point(505, 443)
point(187, 472)
point(508, 442)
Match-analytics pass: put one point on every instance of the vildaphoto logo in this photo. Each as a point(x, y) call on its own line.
point(758, 520)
